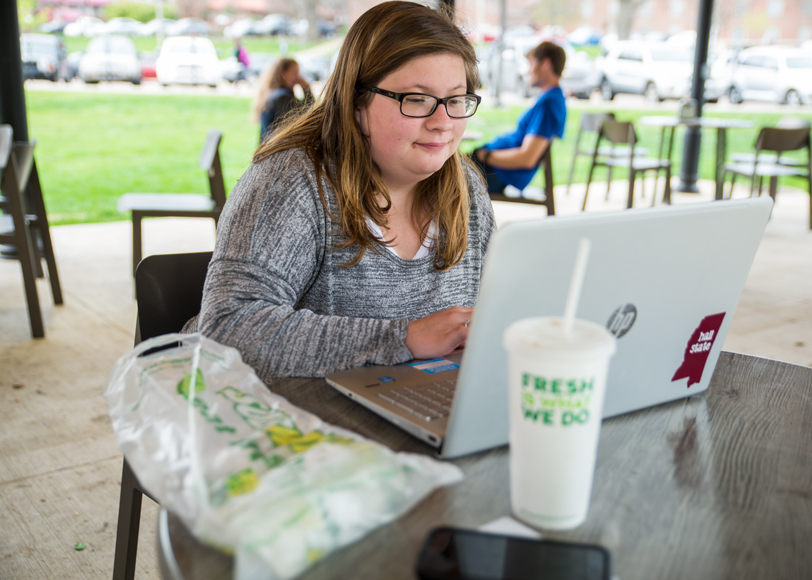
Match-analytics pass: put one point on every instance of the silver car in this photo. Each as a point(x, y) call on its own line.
point(657, 70)
point(773, 73)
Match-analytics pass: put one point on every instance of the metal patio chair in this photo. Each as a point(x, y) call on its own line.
point(144, 205)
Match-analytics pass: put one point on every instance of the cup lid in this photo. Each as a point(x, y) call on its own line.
point(547, 334)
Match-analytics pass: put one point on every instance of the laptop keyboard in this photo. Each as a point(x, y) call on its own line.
point(429, 402)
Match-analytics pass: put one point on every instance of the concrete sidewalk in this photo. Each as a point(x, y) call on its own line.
point(59, 464)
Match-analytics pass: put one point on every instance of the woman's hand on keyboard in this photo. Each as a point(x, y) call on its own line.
point(440, 333)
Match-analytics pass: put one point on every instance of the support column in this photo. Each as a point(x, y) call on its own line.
point(690, 155)
point(12, 95)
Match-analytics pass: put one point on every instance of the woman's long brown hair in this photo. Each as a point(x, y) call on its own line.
point(382, 40)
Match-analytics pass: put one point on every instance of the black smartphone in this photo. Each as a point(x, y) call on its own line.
point(470, 555)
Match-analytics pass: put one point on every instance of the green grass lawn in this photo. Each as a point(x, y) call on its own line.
point(94, 147)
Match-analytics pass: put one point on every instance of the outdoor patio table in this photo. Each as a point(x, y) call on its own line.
point(713, 486)
point(720, 124)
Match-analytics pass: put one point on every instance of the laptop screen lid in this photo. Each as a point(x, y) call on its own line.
point(665, 280)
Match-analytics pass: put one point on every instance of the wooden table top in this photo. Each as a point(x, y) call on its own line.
point(718, 485)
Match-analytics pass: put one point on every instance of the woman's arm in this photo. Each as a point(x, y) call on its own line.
point(526, 156)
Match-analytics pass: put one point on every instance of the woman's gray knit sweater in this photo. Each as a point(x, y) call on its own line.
point(276, 290)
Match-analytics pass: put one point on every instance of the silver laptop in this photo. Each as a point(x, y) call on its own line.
point(665, 281)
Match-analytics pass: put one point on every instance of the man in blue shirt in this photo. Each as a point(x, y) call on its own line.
point(513, 158)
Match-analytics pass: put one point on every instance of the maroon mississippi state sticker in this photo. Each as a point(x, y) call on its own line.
point(698, 349)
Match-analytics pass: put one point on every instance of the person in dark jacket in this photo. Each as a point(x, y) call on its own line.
point(276, 98)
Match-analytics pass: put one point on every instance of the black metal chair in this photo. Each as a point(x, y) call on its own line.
point(775, 141)
point(144, 205)
point(591, 123)
point(546, 165)
point(623, 133)
point(22, 200)
point(783, 123)
point(169, 288)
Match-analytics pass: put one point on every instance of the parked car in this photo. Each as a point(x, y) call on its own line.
point(240, 28)
point(585, 36)
point(188, 60)
point(153, 27)
point(273, 25)
point(148, 60)
point(73, 61)
point(581, 75)
point(722, 67)
point(300, 28)
point(88, 26)
point(773, 73)
point(110, 58)
point(188, 27)
point(654, 69)
point(44, 57)
point(234, 71)
point(55, 26)
point(125, 26)
point(514, 65)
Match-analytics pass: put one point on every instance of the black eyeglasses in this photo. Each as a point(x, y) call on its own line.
point(422, 105)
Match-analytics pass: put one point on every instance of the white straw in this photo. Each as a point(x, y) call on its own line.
point(576, 284)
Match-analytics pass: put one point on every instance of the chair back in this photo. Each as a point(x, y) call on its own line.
point(546, 159)
point(16, 161)
point(23, 152)
point(592, 121)
point(8, 169)
point(210, 162)
point(780, 140)
point(169, 289)
point(546, 163)
point(618, 133)
point(6, 136)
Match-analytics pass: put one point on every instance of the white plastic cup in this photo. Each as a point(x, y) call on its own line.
point(556, 387)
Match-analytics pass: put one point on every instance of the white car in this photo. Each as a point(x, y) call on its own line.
point(89, 26)
point(110, 58)
point(654, 69)
point(188, 26)
point(722, 67)
point(773, 73)
point(240, 28)
point(188, 60)
point(153, 27)
point(125, 26)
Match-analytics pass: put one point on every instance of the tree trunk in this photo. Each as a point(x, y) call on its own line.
point(625, 17)
point(310, 15)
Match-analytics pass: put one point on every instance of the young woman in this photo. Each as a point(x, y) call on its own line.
point(358, 234)
point(275, 98)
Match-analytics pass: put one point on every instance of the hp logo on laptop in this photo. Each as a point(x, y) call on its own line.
point(622, 320)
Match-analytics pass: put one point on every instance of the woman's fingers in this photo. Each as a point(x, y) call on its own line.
point(439, 333)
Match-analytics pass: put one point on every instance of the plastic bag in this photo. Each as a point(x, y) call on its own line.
point(247, 471)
